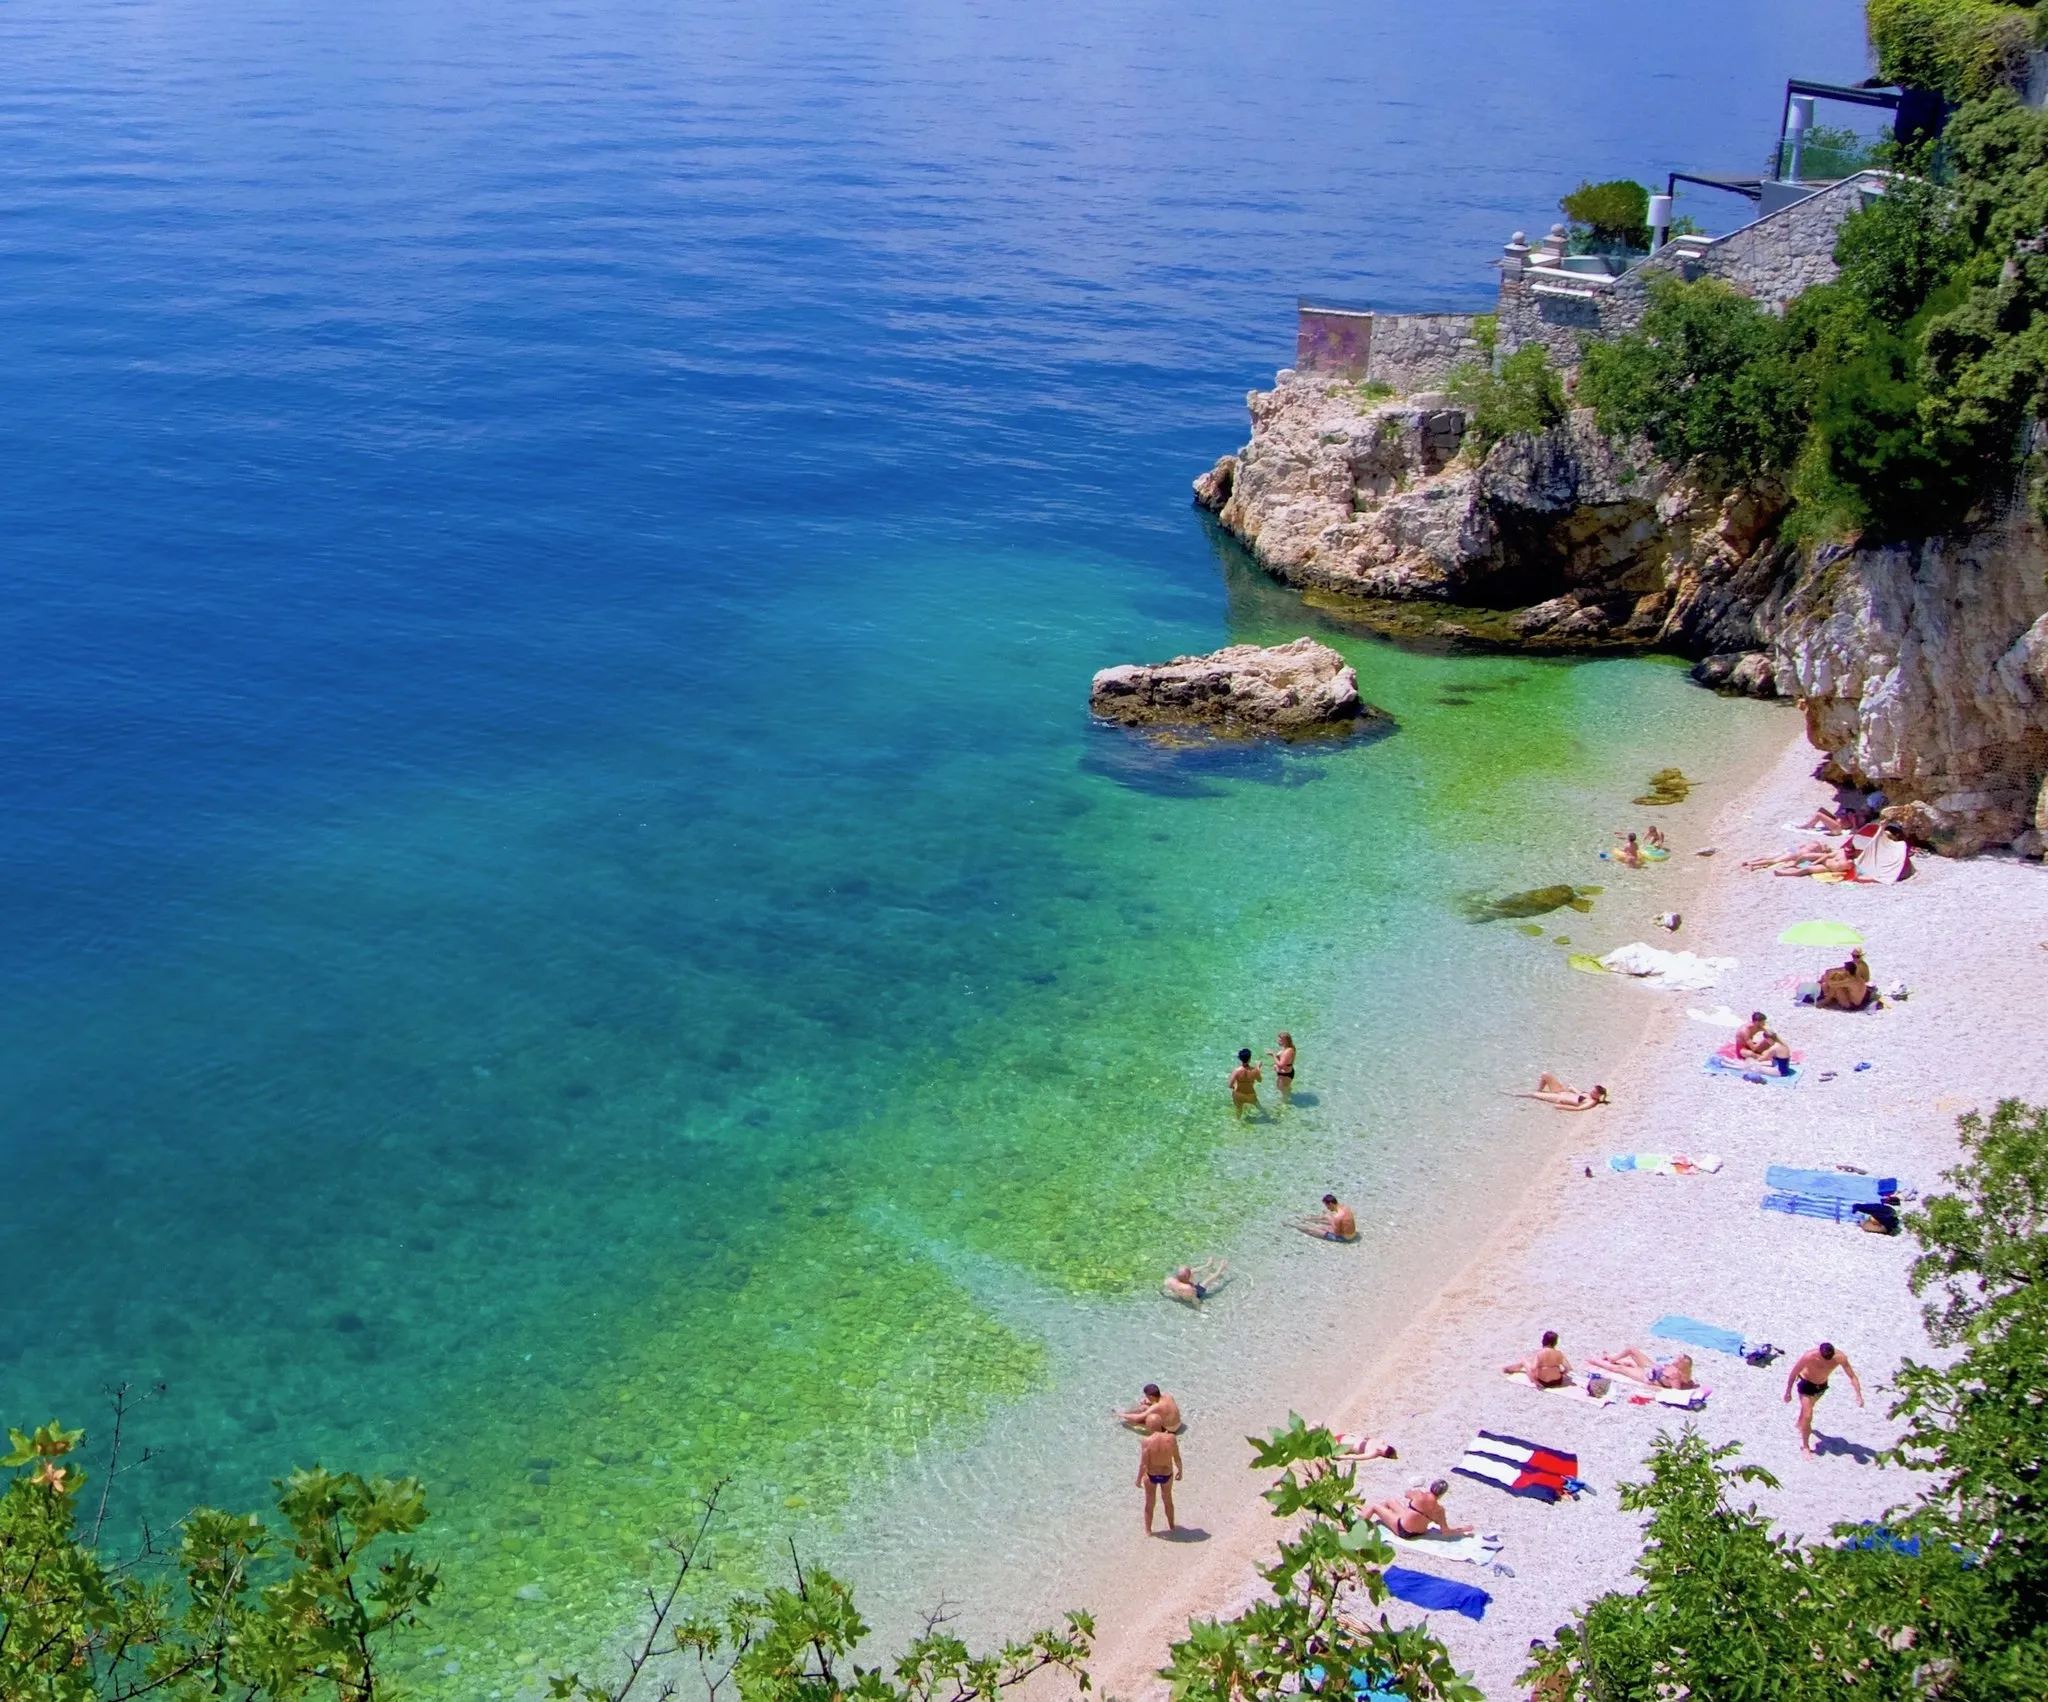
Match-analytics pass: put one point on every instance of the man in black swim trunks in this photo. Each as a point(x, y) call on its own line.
point(1809, 1375)
point(1158, 1466)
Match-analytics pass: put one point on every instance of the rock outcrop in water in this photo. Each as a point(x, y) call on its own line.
point(1572, 540)
point(1290, 690)
point(1923, 667)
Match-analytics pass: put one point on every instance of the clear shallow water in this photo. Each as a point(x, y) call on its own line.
point(558, 889)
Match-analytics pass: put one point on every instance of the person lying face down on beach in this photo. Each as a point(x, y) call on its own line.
point(1193, 1284)
point(1546, 1367)
point(1158, 1466)
point(1154, 1405)
point(1809, 1375)
point(1336, 1224)
point(1417, 1511)
point(1847, 988)
point(1244, 1084)
point(1554, 1090)
point(1637, 1366)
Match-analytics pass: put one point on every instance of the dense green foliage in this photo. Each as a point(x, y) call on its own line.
point(253, 1612)
point(1730, 1608)
point(1614, 214)
point(1520, 393)
point(1892, 402)
point(1308, 1639)
point(1960, 48)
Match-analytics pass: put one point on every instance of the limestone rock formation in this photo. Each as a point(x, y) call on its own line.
point(1289, 689)
point(1924, 670)
point(1593, 542)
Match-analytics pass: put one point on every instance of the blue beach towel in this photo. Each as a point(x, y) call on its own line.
point(1829, 1184)
point(1878, 1536)
point(1711, 1336)
point(1810, 1205)
point(1764, 1073)
point(1426, 1590)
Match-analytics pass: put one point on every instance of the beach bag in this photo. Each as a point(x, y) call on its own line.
point(1763, 1353)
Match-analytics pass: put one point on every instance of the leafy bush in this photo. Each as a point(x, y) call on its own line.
point(1523, 393)
point(1708, 377)
point(1614, 214)
point(1309, 1630)
point(1959, 48)
point(1901, 248)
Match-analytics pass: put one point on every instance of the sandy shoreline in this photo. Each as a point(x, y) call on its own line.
point(1600, 1259)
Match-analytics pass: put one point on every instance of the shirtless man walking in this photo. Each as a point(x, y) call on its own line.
point(1244, 1084)
point(1809, 1375)
point(1158, 1467)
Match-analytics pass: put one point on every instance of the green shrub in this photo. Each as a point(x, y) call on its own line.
point(1708, 377)
point(1610, 215)
point(1960, 48)
point(1901, 248)
point(1522, 393)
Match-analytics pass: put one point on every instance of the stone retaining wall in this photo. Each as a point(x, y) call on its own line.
point(1408, 352)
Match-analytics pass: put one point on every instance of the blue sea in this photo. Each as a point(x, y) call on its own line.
point(566, 929)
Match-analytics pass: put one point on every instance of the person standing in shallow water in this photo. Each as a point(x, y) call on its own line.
point(1158, 1466)
point(1244, 1084)
point(1283, 1066)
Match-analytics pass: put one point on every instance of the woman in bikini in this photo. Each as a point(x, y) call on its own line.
point(1283, 1065)
point(1417, 1511)
point(1637, 1366)
point(1553, 1090)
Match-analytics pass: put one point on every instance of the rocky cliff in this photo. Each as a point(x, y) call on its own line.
point(1923, 668)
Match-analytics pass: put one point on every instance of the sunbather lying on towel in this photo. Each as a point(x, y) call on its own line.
point(1546, 1367)
point(1638, 1367)
point(1363, 1447)
point(1417, 1511)
point(1814, 858)
point(1554, 1090)
point(1847, 988)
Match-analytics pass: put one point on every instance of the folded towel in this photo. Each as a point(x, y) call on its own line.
point(1829, 1184)
point(1471, 1549)
point(1426, 1590)
point(1677, 1328)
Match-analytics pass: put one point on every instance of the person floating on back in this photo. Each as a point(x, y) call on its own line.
point(1193, 1284)
point(1546, 1367)
point(1336, 1223)
point(1244, 1084)
point(1809, 1375)
point(1158, 1467)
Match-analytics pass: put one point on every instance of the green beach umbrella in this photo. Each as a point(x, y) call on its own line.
point(1820, 934)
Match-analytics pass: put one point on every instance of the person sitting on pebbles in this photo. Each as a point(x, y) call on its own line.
point(1338, 1222)
point(1547, 1368)
point(1193, 1284)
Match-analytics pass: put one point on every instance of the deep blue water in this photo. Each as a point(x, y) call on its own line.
point(553, 556)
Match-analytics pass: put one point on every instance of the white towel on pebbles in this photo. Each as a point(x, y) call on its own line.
point(1667, 971)
point(1472, 1550)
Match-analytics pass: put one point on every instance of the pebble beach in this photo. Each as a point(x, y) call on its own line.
point(1599, 1255)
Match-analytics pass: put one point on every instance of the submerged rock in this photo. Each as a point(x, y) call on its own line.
point(1247, 690)
point(1667, 786)
point(1538, 901)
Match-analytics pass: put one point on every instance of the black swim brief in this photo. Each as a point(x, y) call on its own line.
point(1812, 1391)
point(1160, 1477)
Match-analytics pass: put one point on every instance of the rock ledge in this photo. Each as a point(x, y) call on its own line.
point(1289, 690)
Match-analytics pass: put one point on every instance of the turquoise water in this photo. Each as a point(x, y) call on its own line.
point(561, 900)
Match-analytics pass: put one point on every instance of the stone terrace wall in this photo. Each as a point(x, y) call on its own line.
point(1408, 352)
point(1773, 259)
